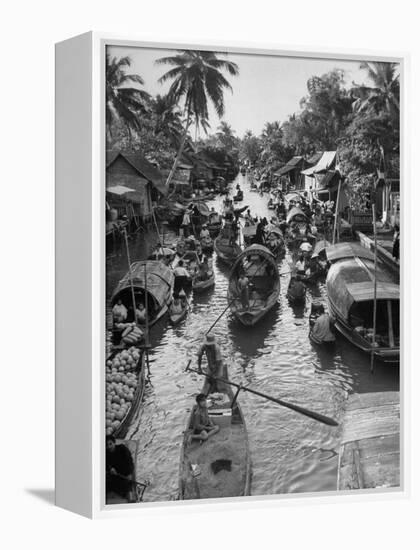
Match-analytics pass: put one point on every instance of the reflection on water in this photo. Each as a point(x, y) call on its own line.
point(290, 453)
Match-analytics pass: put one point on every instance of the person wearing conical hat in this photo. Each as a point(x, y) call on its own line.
point(213, 354)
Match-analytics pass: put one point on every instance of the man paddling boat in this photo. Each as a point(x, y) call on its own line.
point(214, 356)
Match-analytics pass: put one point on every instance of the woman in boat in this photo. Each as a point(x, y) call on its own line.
point(119, 313)
point(321, 331)
point(141, 313)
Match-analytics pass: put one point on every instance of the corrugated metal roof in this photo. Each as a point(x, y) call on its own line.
point(324, 163)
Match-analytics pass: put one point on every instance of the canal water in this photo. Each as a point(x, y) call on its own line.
point(290, 452)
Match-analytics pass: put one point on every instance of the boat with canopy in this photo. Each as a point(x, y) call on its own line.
point(351, 296)
point(259, 265)
point(149, 282)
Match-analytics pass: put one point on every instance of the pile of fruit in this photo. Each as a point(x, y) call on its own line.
point(121, 384)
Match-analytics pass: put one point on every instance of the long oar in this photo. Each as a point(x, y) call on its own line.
point(306, 412)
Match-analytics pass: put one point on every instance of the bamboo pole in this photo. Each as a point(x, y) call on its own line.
point(336, 214)
point(146, 335)
point(372, 357)
point(306, 412)
point(133, 297)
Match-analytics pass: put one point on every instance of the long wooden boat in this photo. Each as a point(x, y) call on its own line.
point(342, 251)
point(223, 462)
point(150, 275)
point(138, 489)
point(201, 286)
point(260, 267)
point(176, 318)
point(120, 430)
point(296, 215)
point(226, 250)
point(350, 292)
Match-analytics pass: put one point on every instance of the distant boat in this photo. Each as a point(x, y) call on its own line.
point(226, 248)
point(260, 267)
point(350, 292)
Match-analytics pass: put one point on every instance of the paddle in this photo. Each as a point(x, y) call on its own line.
point(306, 412)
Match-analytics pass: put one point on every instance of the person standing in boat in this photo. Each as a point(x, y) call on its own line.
point(202, 425)
point(213, 354)
point(182, 277)
point(396, 243)
point(243, 287)
point(119, 469)
point(321, 331)
point(186, 222)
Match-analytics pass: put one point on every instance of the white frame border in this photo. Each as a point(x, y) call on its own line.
point(100, 510)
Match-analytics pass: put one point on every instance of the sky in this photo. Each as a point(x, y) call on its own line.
point(267, 89)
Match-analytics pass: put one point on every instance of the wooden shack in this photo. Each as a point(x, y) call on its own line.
point(142, 181)
point(369, 455)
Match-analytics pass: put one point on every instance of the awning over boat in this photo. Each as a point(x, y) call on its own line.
point(295, 213)
point(341, 251)
point(319, 247)
point(159, 279)
point(351, 281)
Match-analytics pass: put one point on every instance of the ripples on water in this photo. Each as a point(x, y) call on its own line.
point(290, 452)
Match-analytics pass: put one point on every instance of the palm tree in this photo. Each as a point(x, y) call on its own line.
point(167, 117)
point(385, 93)
point(123, 103)
point(196, 79)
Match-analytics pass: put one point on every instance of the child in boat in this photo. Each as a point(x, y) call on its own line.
point(141, 313)
point(202, 425)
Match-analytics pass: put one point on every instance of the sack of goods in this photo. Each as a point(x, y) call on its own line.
point(132, 334)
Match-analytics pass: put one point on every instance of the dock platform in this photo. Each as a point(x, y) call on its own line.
point(369, 455)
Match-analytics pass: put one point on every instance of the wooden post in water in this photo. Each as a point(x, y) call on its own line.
point(133, 297)
point(375, 254)
point(146, 333)
point(336, 214)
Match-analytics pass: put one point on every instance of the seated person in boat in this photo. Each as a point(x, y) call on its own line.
point(202, 425)
point(248, 218)
point(243, 287)
point(119, 469)
point(213, 354)
point(204, 272)
point(296, 287)
point(321, 331)
point(204, 233)
point(141, 313)
point(176, 307)
point(119, 313)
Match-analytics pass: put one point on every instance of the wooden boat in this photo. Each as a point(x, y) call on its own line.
point(296, 295)
point(296, 215)
point(350, 292)
point(201, 286)
point(140, 371)
point(223, 462)
point(275, 241)
point(226, 249)
point(138, 488)
point(176, 318)
point(150, 274)
point(260, 267)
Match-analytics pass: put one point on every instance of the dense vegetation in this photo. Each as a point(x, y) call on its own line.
point(360, 122)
